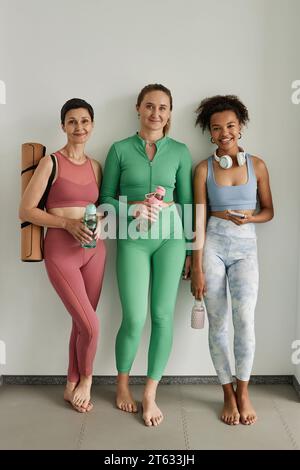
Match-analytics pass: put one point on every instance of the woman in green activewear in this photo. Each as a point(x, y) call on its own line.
point(136, 166)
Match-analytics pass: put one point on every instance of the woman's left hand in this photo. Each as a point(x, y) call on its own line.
point(240, 221)
point(187, 268)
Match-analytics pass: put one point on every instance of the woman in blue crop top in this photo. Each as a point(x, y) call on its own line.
point(226, 188)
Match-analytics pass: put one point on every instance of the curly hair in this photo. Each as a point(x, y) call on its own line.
point(217, 104)
point(156, 87)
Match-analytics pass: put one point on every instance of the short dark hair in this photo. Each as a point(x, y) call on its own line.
point(156, 87)
point(217, 104)
point(75, 103)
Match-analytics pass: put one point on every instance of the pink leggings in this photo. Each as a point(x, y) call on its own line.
point(76, 274)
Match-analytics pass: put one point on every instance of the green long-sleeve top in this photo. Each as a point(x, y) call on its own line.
point(129, 172)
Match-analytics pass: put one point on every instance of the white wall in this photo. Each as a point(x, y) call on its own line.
point(105, 51)
point(297, 335)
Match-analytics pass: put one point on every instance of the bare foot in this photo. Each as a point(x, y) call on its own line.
point(230, 413)
point(82, 394)
point(151, 413)
point(69, 395)
point(247, 412)
point(124, 399)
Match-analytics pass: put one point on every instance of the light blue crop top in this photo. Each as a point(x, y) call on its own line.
point(242, 196)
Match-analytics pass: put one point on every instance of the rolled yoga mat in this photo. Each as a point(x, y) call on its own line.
point(32, 236)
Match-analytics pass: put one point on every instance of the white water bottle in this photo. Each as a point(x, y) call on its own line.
point(198, 314)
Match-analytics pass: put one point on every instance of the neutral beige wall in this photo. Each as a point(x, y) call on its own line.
point(105, 51)
point(296, 348)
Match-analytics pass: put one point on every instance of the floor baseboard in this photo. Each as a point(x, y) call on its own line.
point(140, 380)
point(296, 385)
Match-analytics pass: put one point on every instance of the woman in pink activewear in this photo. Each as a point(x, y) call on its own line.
point(76, 273)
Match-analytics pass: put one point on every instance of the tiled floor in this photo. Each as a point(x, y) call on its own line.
point(36, 417)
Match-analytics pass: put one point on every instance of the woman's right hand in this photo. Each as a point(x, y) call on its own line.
point(198, 285)
point(78, 230)
point(145, 210)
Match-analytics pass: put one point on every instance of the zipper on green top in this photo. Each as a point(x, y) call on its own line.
point(150, 165)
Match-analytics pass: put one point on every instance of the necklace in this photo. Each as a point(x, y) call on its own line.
point(148, 142)
point(68, 156)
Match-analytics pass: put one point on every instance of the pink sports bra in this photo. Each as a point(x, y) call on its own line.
point(75, 185)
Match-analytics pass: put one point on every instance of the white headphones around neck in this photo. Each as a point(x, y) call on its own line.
point(225, 161)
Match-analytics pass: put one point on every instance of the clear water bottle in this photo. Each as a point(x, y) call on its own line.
point(90, 221)
point(198, 314)
point(155, 198)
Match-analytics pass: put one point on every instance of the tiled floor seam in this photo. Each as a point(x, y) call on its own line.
point(82, 431)
point(184, 421)
point(286, 427)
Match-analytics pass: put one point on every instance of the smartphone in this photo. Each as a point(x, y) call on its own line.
point(237, 214)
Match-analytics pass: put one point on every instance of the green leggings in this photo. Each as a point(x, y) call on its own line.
point(139, 260)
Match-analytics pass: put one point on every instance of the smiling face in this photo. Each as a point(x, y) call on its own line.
point(154, 111)
point(225, 129)
point(78, 125)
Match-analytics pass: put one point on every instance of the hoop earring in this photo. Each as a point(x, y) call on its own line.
point(212, 140)
point(240, 135)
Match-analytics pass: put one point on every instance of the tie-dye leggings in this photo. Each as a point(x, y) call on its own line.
point(230, 253)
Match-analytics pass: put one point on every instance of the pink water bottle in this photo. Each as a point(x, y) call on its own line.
point(198, 314)
point(155, 198)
